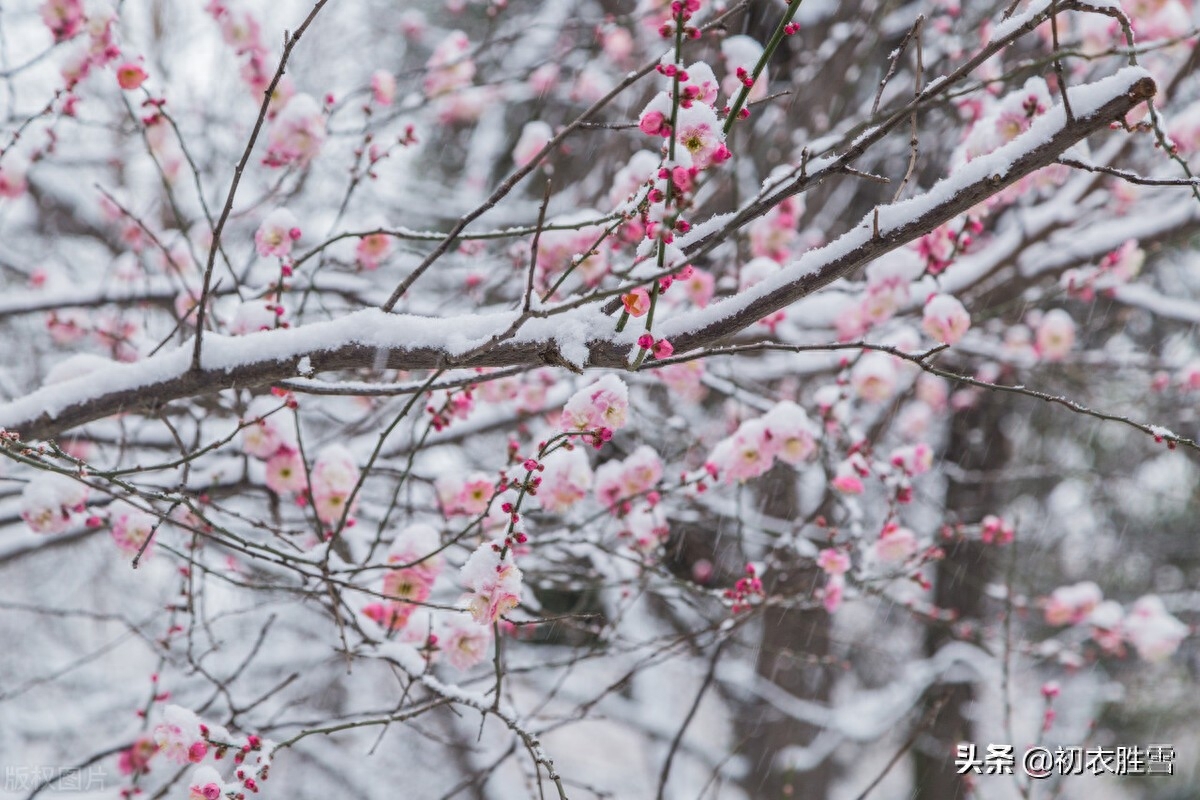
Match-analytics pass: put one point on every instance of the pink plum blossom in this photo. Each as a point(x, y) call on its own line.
point(602, 405)
point(49, 500)
point(463, 642)
point(874, 377)
point(1070, 605)
point(334, 476)
point(566, 480)
point(132, 528)
point(835, 563)
point(945, 319)
point(1055, 335)
point(285, 471)
point(383, 87)
point(493, 580)
point(450, 66)
point(13, 170)
point(275, 236)
point(297, 133)
point(1152, 630)
point(895, 545)
point(533, 139)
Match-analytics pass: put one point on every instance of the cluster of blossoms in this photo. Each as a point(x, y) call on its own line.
point(565, 480)
point(493, 581)
point(785, 433)
point(467, 496)
point(270, 438)
point(297, 133)
point(183, 739)
point(617, 481)
point(241, 31)
point(835, 564)
point(1116, 269)
point(50, 501)
point(746, 591)
point(600, 409)
point(1152, 630)
point(415, 551)
point(335, 476)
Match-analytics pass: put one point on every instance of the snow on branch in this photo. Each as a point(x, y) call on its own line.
point(578, 337)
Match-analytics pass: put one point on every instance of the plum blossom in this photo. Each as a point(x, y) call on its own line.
point(205, 784)
point(1070, 605)
point(602, 405)
point(372, 249)
point(131, 75)
point(646, 527)
point(874, 377)
point(296, 134)
point(383, 87)
point(794, 434)
point(1055, 335)
point(178, 736)
point(418, 547)
point(565, 481)
point(913, 460)
point(747, 454)
point(833, 592)
point(895, 545)
point(132, 528)
point(945, 319)
point(742, 53)
point(849, 474)
point(334, 476)
point(49, 500)
point(532, 140)
point(685, 379)
point(640, 471)
point(835, 563)
point(136, 758)
point(64, 18)
point(1152, 630)
point(699, 131)
point(268, 428)
point(14, 166)
point(275, 236)
point(493, 580)
point(470, 495)
point(285, 471)
point(463, 642)
point(450, 66)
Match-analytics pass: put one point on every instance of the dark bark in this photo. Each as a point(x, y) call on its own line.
point(794, 656)
point(978, 449)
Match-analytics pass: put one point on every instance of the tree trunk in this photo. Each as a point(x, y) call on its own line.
point(978, 448)
point(793, 656)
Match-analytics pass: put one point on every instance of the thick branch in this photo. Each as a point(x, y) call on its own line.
point(581, 338)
